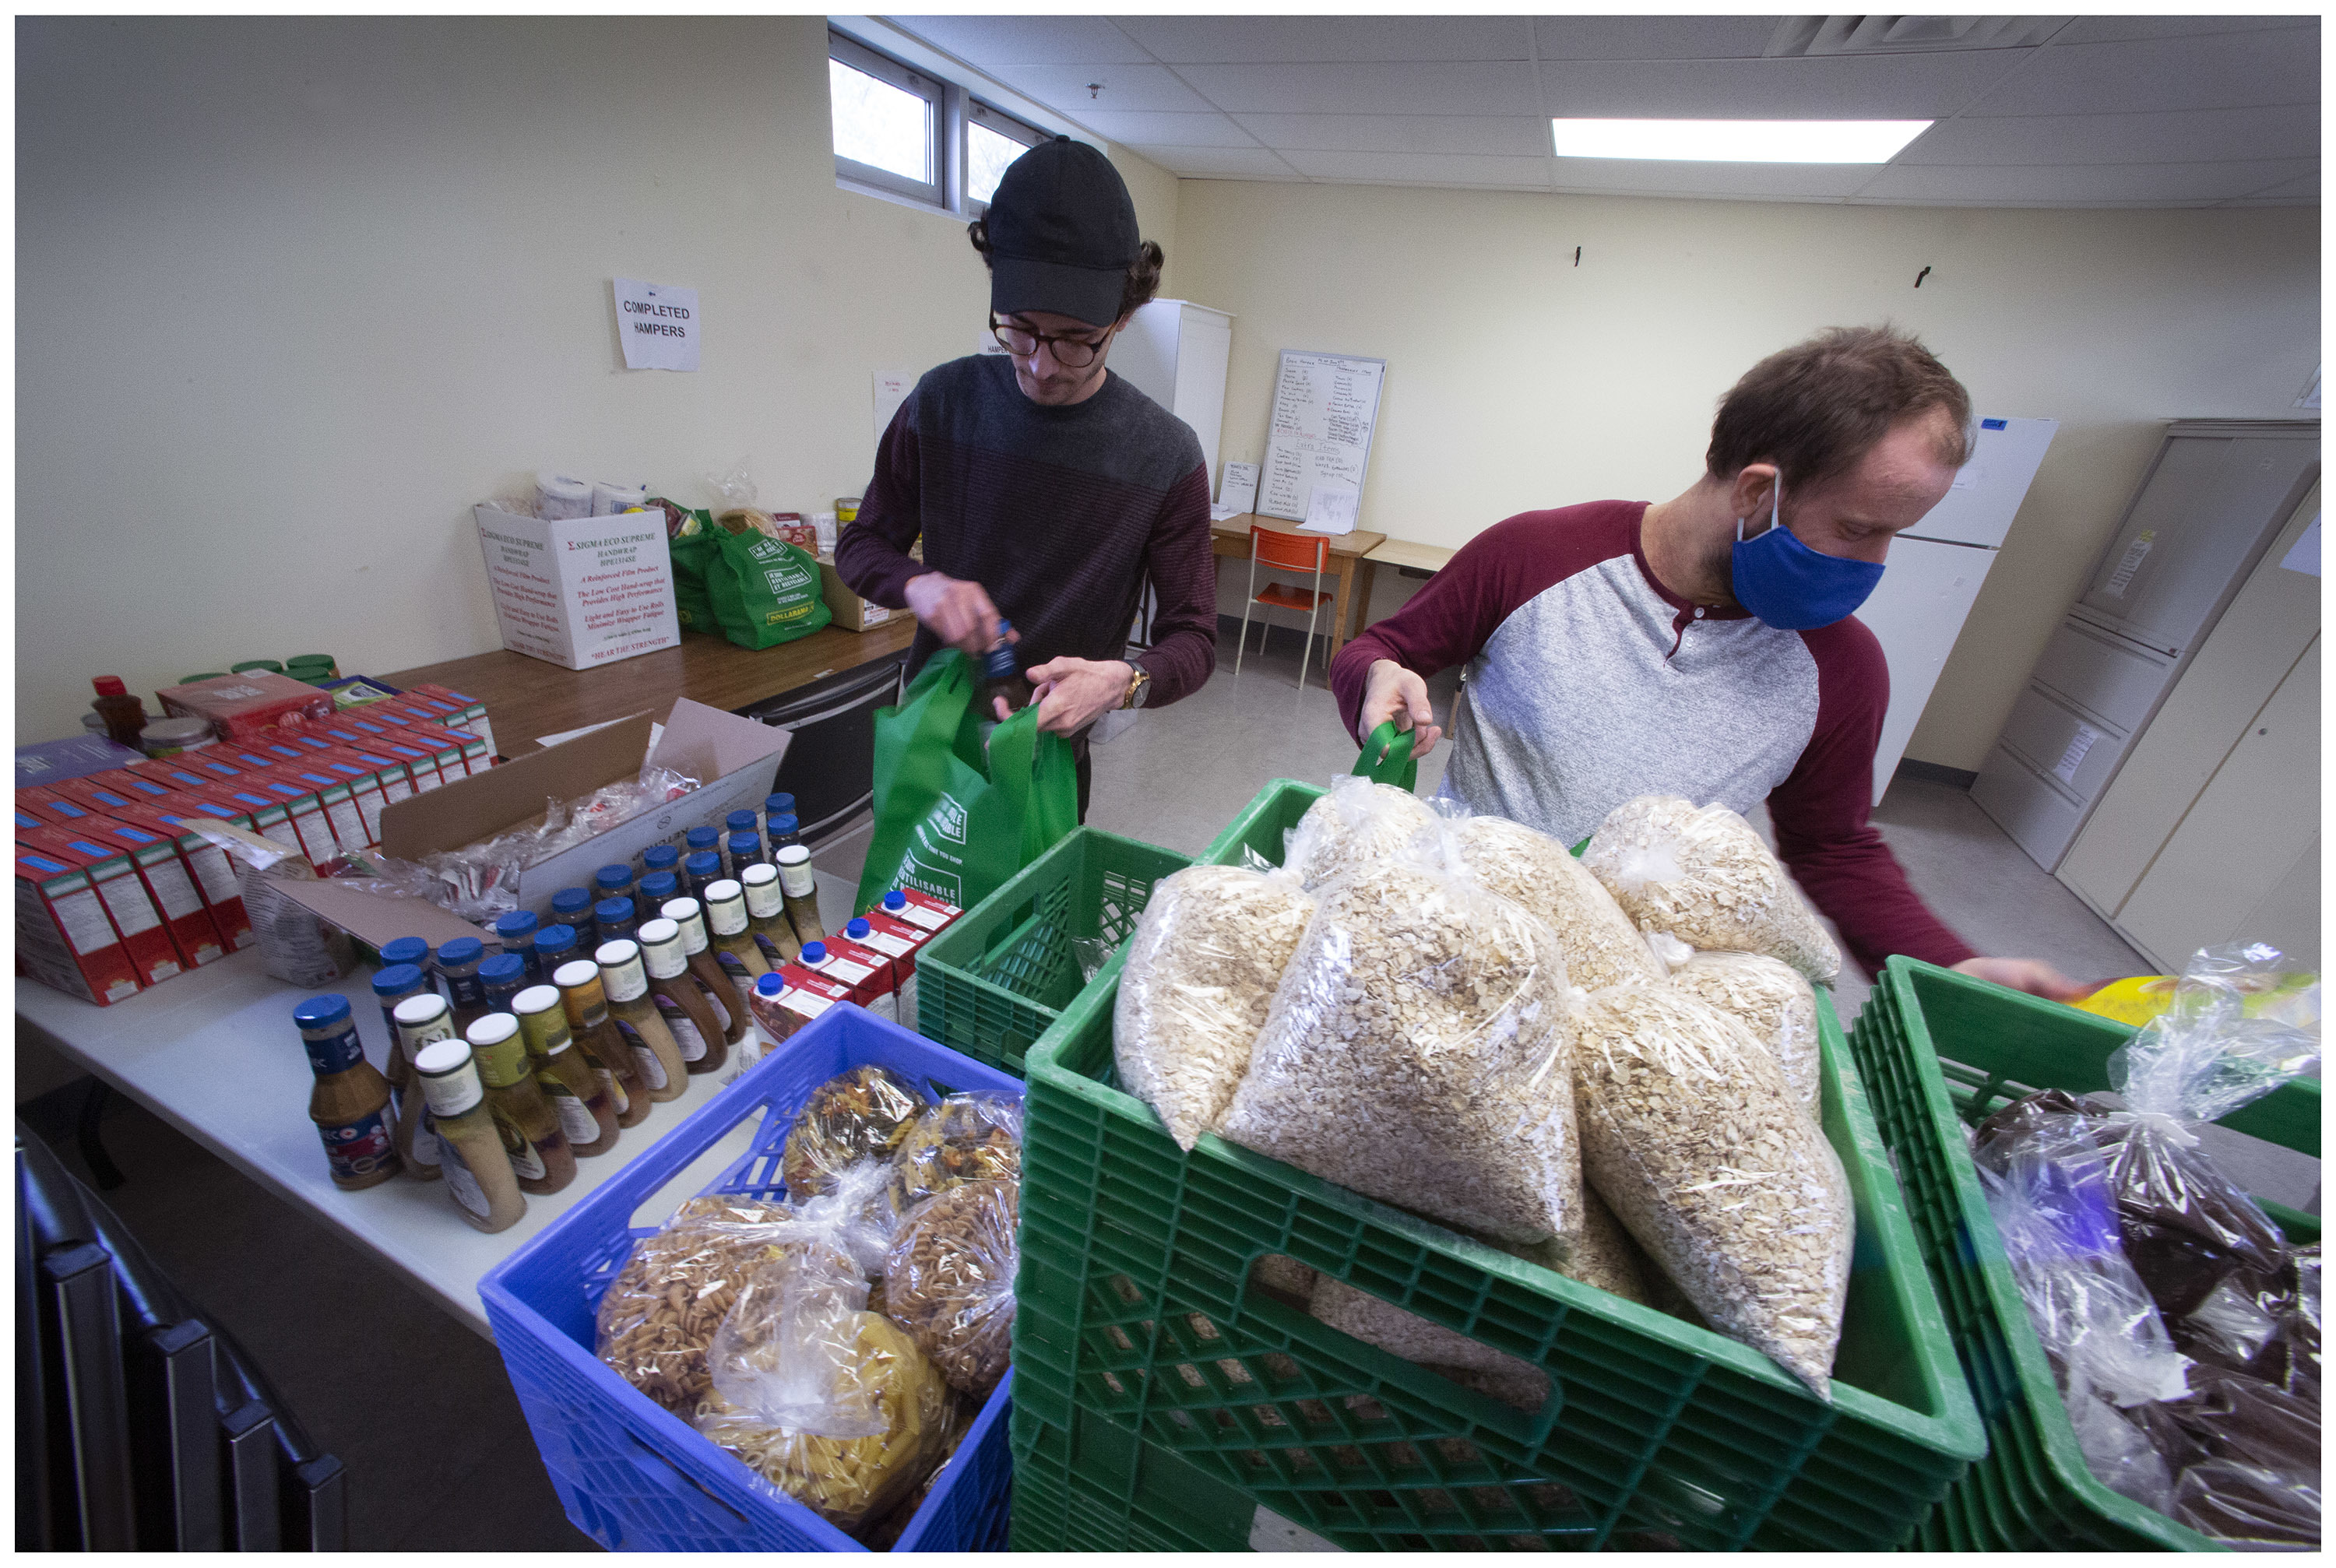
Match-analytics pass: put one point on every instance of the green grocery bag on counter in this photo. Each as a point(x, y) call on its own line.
point(950, 820)
point(763, 591)
point(691, 551)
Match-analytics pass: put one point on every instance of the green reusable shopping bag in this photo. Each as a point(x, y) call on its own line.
point(949, 821)
point(1387, 758)
point(691, 552)
point(764, 591)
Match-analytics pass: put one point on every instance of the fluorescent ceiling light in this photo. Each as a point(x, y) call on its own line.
point(1737, 140)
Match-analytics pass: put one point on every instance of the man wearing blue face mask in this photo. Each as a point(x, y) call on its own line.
point(1705, 646)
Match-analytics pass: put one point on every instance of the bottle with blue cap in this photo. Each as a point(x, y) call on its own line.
point(554, 946)
point(783, 831)
point(458, 966)
point(350, 1100)
point(778, 803)
point(700, 868)
point(502, 976)
point(572, 906)
point(516, 931)
point(745, 850)
point(391, 986)
point(613, 882)
point(613, 919)
point(658, 889)
point(1001, 677)
point(659, 858)
point(773, 1019)
point(735, 823)
point(699, 839)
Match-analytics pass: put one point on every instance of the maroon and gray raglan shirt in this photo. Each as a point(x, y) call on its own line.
point(1060, 513)
point(1589, 683)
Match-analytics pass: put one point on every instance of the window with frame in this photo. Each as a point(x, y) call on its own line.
point(904, 132)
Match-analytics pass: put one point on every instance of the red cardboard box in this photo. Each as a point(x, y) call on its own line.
point(238, 704)
point(98, 791)
point(421, 762)
point(209, 866)
point(897, 937)
point(810, 993)
point(312, 834)
point(469, 752)
point(926, 912)
point(63, 938)
point(172, 772)
point(152, 957)
point(869, 957)
point(169, 883)
point(336, 793)
point(51, 808)
point(859, 975)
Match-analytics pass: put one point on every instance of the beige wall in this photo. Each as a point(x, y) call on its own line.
point(1517, 380)
point(294, 295)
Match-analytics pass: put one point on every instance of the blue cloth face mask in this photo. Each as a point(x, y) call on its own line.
point(1790, 585)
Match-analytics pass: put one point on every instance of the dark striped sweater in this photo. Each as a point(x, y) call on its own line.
point(1059, 513)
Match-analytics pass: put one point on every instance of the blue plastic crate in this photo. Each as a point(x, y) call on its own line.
point(630, 1474)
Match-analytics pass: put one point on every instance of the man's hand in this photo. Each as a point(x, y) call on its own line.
point(1395, 693)
point(1073, 692)
point(958, 613)
point(2034, 976)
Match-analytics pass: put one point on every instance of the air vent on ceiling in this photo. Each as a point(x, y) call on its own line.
point(1811, 35)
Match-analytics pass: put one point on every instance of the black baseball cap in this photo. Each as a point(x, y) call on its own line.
point(1062, 234)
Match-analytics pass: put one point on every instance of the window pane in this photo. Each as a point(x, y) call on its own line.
point(880, 124)
point(987, 154)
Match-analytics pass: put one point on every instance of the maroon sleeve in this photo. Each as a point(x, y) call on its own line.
point(1820, 813)
point(1180, 558)
point(1449, 621)
point(871, 554)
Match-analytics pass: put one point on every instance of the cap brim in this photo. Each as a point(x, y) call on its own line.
point(1087, 294)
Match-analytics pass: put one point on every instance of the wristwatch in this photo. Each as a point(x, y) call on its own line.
point(1137, 685)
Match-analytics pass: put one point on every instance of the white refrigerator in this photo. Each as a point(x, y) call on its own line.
point(1935, 569)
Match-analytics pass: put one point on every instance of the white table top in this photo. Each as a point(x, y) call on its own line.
point(215, 1054)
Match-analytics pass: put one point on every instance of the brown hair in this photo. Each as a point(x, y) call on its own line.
point(1815, 408)
point(1142, 280)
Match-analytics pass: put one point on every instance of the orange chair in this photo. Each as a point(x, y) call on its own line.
point(1281, 551)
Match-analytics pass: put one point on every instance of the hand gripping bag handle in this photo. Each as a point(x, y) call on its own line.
point(1387, 758)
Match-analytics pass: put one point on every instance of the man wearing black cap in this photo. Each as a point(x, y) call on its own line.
point(1045, 489)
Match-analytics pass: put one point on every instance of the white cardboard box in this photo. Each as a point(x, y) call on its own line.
point(580, 593)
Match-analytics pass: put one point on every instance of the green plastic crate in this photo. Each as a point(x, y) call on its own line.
point(1134, 1311)
point(1091, 1487)
point(1005, 970)
point(1938, 1050)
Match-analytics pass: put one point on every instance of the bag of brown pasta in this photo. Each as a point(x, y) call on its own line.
point(949, 1282)
point(1705, 877)
point(1600, 944)
point(1198, 982)
point(862, 1114)
point(969, 1137)
point(1420, 1051)
point(1355, 824)
point(826, 1401)
point(1691, 1135)
point(659, 1314)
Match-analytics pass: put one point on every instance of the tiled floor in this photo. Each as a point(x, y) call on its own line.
point(417, 1405)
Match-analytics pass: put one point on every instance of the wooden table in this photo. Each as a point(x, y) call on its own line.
point(526, 697)
point(1405, 555)
point(1230, 539)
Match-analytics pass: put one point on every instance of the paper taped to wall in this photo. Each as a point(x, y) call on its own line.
point(2073, 758)
point(658, 323)
point(891, 389)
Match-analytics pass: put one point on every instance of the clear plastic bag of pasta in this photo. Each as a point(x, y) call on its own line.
point(862, 1114)
point(1704, 876)
point(974, 1137)
point(1200, 978)
point(827, 1402)
point(1419, 1050)
point(949, 1282)
point(659, 1315)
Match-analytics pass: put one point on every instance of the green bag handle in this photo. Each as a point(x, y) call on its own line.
point(1395, 765)
point(1036, 772)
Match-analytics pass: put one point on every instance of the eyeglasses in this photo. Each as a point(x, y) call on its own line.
point(1070, 353)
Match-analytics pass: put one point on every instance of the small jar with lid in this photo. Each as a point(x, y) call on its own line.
point(479, 1175)
point(350, 1102)
point(612, 882)
point(458, 967)
point(799, 886)
point(573, 907)
point(516, 930)
point(779, 804)
point(781, 832)
point(613, 919)
point(656, 890)
point(739, 825)
point(554, 946)
point(267, 666)
point(745, 850)
point(169, 737)
point(700, 871)
point(502, 976)
point(699, 839)
point(660, 858)
point(533, 1140)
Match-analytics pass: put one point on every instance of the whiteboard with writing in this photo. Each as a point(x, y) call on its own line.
point(1325, 406)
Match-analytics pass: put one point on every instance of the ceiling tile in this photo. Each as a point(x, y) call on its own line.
point(1146, 130)
point(992, 41)
point(1516, 135)
point(1653, 37)
point(2183, 136)
point(1731, 182)
point(1260, 40)
point(2226, 70)
point(1221, 162)
point(1077, 90)
point(1424, 169)
point(2115, 29)
point(1872, 87)
point(1494, 87)
point(2093, 185)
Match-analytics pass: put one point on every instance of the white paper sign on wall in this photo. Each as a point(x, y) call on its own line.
point(659, 323)
point(889, 390)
